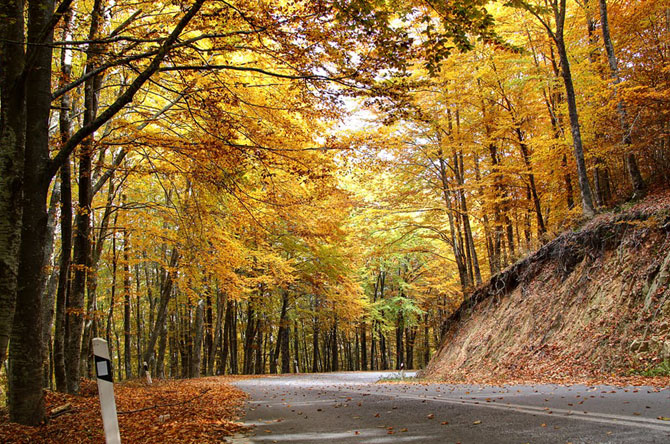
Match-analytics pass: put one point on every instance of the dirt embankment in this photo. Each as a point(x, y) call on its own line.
point(591, 304)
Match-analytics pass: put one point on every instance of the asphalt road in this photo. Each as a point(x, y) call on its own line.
point(354, 408)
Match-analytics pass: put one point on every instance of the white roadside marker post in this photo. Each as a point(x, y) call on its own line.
point(147, 373)
point(103, 370)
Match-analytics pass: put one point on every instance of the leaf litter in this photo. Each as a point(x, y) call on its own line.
point(199, 411)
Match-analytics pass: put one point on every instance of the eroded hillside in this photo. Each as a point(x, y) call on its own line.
point(591, 303)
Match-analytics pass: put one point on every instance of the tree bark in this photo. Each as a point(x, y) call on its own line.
point(65, 127)
point(364, 345)
point(334, 349)
point(127, 345)
point(165, 295)
point(12, 151)
point(249, 336)
point(399, 349)
point(63, 278)
point(566, 74)
point(91, 325)
point(283, 336)
point(233, 340)
point(296, 349)
point(410, 338)
point(82, 244)
point(209, 338)
point(426, 341)
point(138, 323)
point(525, 154)
point(220, 310)
point(258, 364)
point(631, 161)
point(162, 343)
point(51, 286)
point(26, 399)
point(455, 244)
point(315, 346)
point(199, 336)
point(226, 338)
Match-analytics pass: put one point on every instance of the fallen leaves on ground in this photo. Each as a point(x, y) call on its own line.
point(175, 411)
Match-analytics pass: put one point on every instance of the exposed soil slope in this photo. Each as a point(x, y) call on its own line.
point(590, 304)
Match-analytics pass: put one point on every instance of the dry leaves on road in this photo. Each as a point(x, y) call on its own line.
point(183, 411)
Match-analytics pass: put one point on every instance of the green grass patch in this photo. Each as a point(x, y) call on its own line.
point(661, 369)
point(396, 377)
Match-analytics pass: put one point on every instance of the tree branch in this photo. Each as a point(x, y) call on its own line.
point(125, 98)
point(122, 154)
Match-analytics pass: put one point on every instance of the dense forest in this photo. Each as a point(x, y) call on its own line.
point(258, 187)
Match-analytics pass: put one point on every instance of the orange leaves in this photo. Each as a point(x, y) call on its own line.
point(191, 411)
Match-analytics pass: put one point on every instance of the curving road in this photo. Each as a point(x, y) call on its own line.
point(354, 408)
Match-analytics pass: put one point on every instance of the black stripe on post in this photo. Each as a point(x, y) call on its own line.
point(103, 369)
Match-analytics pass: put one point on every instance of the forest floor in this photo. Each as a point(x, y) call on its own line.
point(199, 411)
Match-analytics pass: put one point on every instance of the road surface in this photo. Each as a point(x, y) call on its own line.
point(354, 408)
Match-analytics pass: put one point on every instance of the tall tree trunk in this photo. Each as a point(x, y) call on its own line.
point(382, 350)
point(226, 338)
point(631, 161)
point(469, 240)
point(410, 337)
point(63, 277)
point(25, 396)
point(456, 245)
point(92, 286)
point(52, 283)
point(249, 337)
point(364, 346)
point(373, 346)
point(160, 358)
point(552, 102)
point(525, 154)
point(315, 347)
point(426, 340)
point(334, 349)
point(399, 349)
point(284, 339)
point(220, 310)
point(233, 340)
point(138, 323)
point(259, 364)
point(26, 399)
point(127, 345)
point(199, 333)
point(296, 348)
point(112, 291)
point(497, 210)
point(274, 355)
point(566, 74)
point(167, 282)
point(12, 151)
point(209, 337)
point(174, 347)
point(82, 243)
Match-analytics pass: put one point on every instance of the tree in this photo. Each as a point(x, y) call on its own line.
point(557, 34)
point(631, 161)
point(26, 349)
